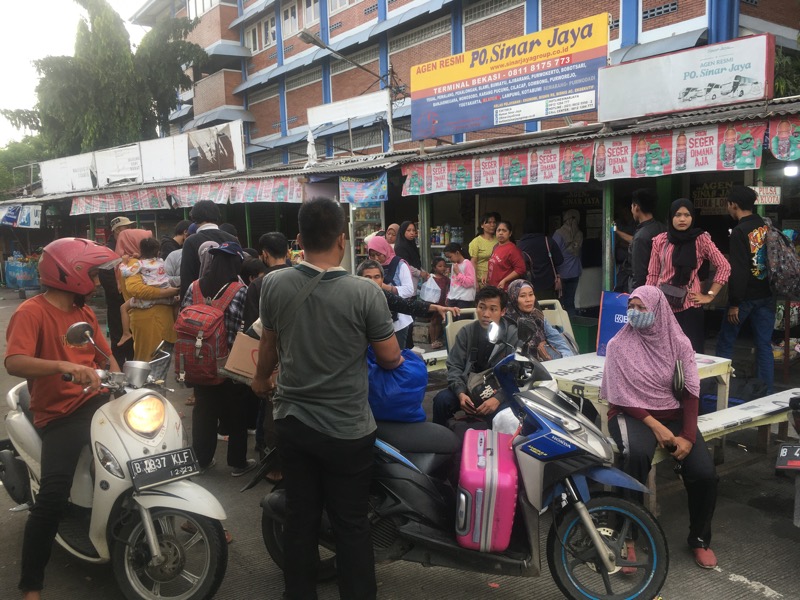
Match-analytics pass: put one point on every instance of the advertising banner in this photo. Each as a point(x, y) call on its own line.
point(723, 147)
point(28, 216)
point(69, 174)
point(567, 163)
point(549, 73)
point(767, 194)
point(784, 137)
point(153, 199)
point(739, 70)
point(357, 190)
point(121, 164)
point(613, 317)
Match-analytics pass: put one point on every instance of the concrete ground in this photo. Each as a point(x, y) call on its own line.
point(757, 545)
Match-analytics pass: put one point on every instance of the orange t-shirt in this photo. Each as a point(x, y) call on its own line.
point(38, 329)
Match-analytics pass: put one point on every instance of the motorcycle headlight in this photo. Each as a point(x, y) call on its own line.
point(146, 416)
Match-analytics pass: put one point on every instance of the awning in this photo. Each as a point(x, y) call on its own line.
point(149, 14)
point(250, 12)
point(360, 37)
point(226, 49)
point(181, 112)
point(275, 143)
point(405, 16)
point(680, 41)
point(223, 113)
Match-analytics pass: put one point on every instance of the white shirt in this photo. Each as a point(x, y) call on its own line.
point(405, 289)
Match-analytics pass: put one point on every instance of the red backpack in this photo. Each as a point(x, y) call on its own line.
point(202, 345)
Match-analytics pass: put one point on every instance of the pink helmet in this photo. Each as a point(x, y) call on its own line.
point(65, 264)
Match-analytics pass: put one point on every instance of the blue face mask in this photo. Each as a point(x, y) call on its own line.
point(640, 320)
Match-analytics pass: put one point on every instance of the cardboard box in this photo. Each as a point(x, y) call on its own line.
point(243, 357)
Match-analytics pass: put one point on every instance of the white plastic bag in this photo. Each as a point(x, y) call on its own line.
point(430, 290)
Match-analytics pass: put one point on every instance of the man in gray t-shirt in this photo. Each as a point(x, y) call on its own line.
point(318, 322)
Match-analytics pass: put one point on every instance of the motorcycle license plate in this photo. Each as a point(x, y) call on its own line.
point(151, 471)
point(788, 457)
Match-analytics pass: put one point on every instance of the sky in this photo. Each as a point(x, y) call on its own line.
point(35, 29)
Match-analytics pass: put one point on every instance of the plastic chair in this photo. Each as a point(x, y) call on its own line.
point(452, 327)
point(556, 315)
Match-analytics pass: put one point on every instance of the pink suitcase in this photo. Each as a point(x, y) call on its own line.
point(487, 491)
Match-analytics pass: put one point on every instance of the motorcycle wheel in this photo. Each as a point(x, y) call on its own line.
point(577, 568)
point(196, 556)
point(272, 532)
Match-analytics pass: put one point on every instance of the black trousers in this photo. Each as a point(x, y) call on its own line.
point(638, 444)
point(319, 470)
point(63, 441)
point(693, 324)
point(215, 403)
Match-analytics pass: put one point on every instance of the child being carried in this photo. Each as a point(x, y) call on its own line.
point(153, 273)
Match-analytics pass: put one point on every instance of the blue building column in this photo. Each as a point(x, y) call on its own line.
point(630, 15)
point(532, 25)
point(457, 41)
point(723, 21)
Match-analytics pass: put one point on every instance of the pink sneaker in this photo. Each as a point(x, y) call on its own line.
point(705, 558)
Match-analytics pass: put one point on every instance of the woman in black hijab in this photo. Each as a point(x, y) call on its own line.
point(406, 248)
point(675, 260)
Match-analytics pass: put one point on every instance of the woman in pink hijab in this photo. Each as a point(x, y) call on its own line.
point(396, 280)
point(646, 413)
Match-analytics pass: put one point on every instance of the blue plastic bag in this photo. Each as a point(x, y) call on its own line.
point(397, 395)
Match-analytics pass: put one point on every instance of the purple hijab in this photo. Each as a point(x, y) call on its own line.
point(640, 363)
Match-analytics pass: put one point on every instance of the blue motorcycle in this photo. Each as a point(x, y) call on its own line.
point(598, 545)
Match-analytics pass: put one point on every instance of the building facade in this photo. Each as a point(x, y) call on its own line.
point(261, 71)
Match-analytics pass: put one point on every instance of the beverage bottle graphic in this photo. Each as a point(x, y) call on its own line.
point(600, 161)
point(680, 152)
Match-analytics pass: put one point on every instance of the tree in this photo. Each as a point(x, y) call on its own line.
point(787, 74)
point(165, 46)
point(29, 150)
point(106, 95)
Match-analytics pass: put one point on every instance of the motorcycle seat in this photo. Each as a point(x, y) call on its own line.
point(427, 445)
point(25, 405)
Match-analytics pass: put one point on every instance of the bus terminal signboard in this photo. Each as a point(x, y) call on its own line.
point(549, 73)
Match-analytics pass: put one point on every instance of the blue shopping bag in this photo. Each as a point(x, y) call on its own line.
point(613, 317)
point(397, 395)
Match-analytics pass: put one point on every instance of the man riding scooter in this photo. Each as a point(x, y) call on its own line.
point(37, 350)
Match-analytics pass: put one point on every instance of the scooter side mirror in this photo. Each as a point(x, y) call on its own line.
point(494, 332)
point(80, 334)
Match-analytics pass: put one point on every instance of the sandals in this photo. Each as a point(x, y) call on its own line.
point(437, 345)
point(190, 401)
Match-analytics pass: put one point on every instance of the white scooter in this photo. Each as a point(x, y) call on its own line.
point(130, 503)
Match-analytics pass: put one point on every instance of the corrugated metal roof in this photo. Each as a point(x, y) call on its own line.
point(349, 165)
point(740, 112)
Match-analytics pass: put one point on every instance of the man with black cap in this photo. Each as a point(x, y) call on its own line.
point(175, 242)
point(207, 217)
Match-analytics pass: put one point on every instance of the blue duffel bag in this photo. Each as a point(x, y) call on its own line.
point(397, 395)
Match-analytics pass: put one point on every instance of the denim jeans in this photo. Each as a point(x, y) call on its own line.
point(569, 287)
point(761, 314)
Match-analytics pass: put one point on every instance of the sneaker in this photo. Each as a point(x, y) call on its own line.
point(251, 432)
point(249, 466)
point(208, 466)
point(705, 558)
point(222, 438)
